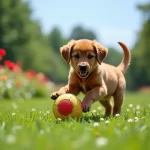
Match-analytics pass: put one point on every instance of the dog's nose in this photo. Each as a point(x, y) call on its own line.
point(83, 67)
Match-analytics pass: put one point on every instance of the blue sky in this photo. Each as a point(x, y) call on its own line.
point(111, 20)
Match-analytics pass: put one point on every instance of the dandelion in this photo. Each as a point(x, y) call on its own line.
point(10, 139)
point(96, 124)
point(130, 120)
point(117, 115)
point(101, 119)
point(137, 107)
point(107, 121)
point(101, 141)
point(130, 105)
point(33, 109)
point(13, 114)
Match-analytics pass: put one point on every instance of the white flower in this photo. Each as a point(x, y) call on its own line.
point(130, 120)
point(130, 105)
point(96, 124)
point(16, 127)
point(136, 119)
point(99, 108)
point(94, 111)
point(137, 107)
point(117, 115)
point(101, 141)
point(41, 132)
point(101, 119)
point(59, 119)
point(9, 85)
point(14, 105)
point(40, 112)
point(33, 109)
point(10, 139)
point(47, 112)
point(13, 114)
point(128, 110)
point(107, 121)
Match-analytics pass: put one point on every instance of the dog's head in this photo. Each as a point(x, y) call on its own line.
point(84, 55)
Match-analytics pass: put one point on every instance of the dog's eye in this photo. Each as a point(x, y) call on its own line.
point(90, 56)
point(77, 56)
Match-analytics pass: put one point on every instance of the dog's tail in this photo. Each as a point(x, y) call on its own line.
point(126, 59)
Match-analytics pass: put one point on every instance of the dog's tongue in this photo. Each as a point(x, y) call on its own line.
point(82, 74)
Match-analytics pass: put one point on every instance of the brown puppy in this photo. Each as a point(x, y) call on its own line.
point(98, 81)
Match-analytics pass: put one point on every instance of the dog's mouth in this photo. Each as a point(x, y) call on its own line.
point(83, 74)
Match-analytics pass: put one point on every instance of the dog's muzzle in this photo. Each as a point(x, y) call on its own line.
point(83, 71)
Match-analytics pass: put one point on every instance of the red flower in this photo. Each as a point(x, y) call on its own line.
point(2, 53)
point(1, 67)
point(30, 74)
point(10, 64)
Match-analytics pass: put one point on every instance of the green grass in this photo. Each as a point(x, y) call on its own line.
point(30, 125)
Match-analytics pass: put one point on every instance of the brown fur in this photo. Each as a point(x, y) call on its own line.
point(97, 80)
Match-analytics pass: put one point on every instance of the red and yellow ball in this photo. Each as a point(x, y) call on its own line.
point(67, 105)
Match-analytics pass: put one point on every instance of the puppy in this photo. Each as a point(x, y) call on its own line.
point(97, 80)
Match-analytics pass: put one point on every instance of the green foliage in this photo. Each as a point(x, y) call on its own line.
point(114, 57)
point(31, 125)
point(18, 85)
point(55, 39)
point(139, 74)
point(80, 32)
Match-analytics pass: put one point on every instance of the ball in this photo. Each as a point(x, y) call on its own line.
point(67, 105)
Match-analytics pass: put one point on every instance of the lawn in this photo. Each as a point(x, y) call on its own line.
point(30, 125)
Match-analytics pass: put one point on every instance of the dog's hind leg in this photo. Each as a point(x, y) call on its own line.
point(108, 105)
point(119, 96)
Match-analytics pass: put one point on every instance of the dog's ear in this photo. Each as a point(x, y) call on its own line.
point(66, 50)
point(101, 51)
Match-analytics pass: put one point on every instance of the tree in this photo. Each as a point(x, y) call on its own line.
point(56, 39)
point(21, 36)
point(139, 74)
point(79, 32)
point(114, 57)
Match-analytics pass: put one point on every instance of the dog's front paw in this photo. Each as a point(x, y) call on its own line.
point(85, 107)
point(55, 95)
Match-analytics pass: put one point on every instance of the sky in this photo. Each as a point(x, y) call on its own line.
point(111, 20)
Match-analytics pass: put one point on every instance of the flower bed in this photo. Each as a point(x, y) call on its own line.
point(16, 83)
